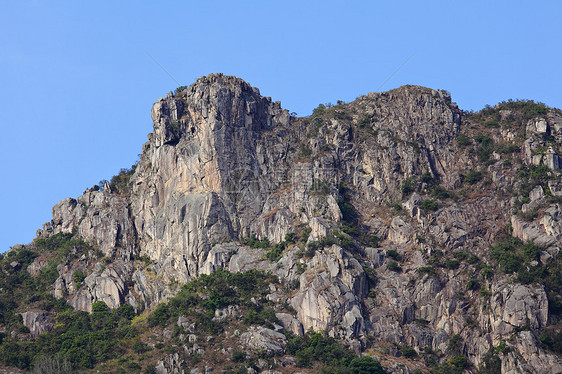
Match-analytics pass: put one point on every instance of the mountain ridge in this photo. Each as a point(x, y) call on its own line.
point(384, 219)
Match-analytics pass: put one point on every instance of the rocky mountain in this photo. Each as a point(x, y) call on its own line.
point(396, 229)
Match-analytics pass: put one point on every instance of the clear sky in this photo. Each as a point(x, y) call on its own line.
point(77, 82)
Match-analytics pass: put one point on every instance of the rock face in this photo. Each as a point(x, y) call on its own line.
point(223, 163)
point(268, 340)
point(37, 322)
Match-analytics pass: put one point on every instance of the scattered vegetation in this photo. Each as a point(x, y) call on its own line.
point(18, 288)
point(78, 277)
point(334, 237)
point(394, 266)
point(523, 110)
point(275, 252)
point(408, 186)
point(512, 256)
point(214, 291)
point(429, 205)
point(473, 177)
point(463, 140)
point(254, 242)
point(180, 89)
point(84, 339)
point(533, 176)
point(551, 339)
point(320, 351)
point(120, 183)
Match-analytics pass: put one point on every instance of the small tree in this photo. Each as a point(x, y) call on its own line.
point(78, 277)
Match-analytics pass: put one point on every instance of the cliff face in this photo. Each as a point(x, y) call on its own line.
point(394, 200)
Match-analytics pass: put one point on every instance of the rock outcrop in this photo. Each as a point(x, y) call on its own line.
point(387, 178)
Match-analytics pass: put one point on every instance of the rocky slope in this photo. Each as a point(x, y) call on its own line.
point(397, 223)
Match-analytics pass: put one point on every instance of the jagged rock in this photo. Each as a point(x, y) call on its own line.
point(531, 231)
point(290, 323)
point(109, 287)
point(36, 266)
point(224, 313)
point(37, 321)
point(223, 162)
point(514, 306)
point(333, 294)
point(258, 337)
point(376, 255)
point(218, 257)
point(530, 357)
point(171, 364)
point(400, 232)
point(412, 204)
point(555, 188)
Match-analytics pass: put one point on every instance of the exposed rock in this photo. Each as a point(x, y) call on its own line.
point(36, 266)
point(109, 287)
point(290, 323)
point(171, 364)
point(515, 306)
point(38, 322)
point(223, 163)
point(332, 295)
point(258, 337)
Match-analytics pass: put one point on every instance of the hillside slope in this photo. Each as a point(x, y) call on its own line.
point(396, 226)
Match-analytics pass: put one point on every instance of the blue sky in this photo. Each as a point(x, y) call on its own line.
point(77, 83)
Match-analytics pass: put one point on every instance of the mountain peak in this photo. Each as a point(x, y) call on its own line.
point(394, 218)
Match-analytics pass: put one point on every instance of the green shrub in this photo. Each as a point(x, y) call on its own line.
point(291, 238)
point(180, 89)
point(408, 186)
point(513, 256)
point(78, 277)
point(393, 266)
point(366, 365)
point(533, 176)
point(473, 177)
point(452, 264)
point(463, 140)
point(429, 205)
point(319, 110)
point(371, 275)
point(333, 237)
point(373, 240)
point(140, 347)
point(305, 151)
point(409, 352)
point(276, 252)
point(440, 193)
point(507, 148)
point(348, 211)
point(254, 242)
point(551, 339)
point(65, 245)
point(160, 316)
point(491, 364)
point(473, 285)
point(331, 355)
point(120, 182)
point(238, 356)
point(85, 339)
point(485, 293)
point(364, 121)
point(426, 178)
point(264, 317)
point(454, 345)
point(429, 270)
point(392, 253)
